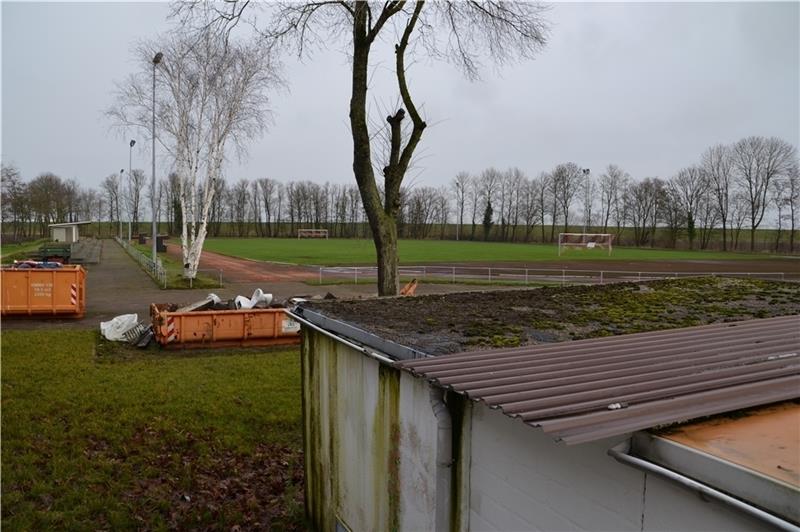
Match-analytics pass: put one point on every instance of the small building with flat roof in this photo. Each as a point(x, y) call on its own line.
point(66, 232)
point(559, 436)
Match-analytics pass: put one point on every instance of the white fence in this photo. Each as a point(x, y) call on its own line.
point(154, 269)
point(522, 276)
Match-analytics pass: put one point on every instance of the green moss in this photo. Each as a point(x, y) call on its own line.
point(386, 441)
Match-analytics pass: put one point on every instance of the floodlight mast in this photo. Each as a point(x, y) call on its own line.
point(154, 228)
point(587, 199)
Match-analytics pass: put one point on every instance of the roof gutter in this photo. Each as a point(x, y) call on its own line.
point(372, 354)
point(621, 453)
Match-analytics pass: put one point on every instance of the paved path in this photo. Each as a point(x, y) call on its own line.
point(117, 285)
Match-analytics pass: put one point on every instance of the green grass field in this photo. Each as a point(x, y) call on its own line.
point(147, 440)
point(9, 252)
point(335, 252)
point(175, 278)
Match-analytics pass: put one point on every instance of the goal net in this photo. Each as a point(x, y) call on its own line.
point(586, 241)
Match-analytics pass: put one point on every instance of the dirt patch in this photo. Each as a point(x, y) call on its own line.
point(237, 270)
point(439, 324)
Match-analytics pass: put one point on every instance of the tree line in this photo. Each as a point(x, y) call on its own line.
point(720, 202)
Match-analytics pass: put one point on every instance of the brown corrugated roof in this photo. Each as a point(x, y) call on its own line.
point(591, 389)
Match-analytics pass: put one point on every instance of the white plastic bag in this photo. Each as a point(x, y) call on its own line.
point(115, 329)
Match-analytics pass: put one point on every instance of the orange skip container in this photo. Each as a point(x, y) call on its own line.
point(59, 292)
point(224, 328)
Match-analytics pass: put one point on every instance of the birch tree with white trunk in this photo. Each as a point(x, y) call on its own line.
point(211, 95)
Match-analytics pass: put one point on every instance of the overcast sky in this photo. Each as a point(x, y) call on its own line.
point(645, 86)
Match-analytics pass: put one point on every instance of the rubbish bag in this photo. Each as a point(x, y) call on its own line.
point(258, 297)
point(115, 329)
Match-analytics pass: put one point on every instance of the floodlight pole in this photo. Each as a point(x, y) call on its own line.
point(119, 215)
point(130, 163)
point(587, 199)
point(154, 228)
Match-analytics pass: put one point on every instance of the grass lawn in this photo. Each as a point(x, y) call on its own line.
point(9, 252)
point(336, 251)
point(175, 278)
point(148, 439)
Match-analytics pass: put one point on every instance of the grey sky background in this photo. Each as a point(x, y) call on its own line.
point(645, 86)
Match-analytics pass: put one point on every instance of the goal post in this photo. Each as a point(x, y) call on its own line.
point(584, 241)
point(312, 233)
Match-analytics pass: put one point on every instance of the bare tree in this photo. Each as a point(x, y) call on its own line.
point(611, 182)
point(779, 197)
point(757, 161)
point(543, 201)
point(269, 188)
point(531, 191)
point(793, 192)
point(459, 185)
point(690, 186)
point(211, 93)
point(707, 219)
point(738, 215)
point(111, 188)
point(566, 184)
point(474, 199)
point(15, 202)
point(717, 165)
point(515, 180)
point(454, 31)
point(646, 198)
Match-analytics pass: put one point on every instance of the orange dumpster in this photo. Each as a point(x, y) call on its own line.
point(59, 292)
point(224, 328)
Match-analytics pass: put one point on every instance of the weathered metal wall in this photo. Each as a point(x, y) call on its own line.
point(370, 441)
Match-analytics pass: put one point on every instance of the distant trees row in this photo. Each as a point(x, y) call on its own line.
point(731, 189)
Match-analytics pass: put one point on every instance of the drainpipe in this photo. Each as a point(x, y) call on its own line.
point(444, 458)
point(620, 453)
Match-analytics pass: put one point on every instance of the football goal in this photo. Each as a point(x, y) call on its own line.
point(584, 241)
point(312, 233)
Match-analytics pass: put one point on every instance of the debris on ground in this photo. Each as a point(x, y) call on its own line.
point(258, 298)
point(410, 289)
point(116, 328)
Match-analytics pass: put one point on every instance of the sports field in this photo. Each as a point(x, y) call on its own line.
point(335, 252)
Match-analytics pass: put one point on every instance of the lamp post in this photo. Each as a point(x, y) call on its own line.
point(119, 214)
point(130, 176)
point(154, 229)
point(586, 200)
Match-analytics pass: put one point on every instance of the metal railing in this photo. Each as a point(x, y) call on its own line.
point(211, 274)
point(524, 276)
point(154, 269)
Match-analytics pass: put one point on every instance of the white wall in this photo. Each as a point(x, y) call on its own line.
point(671, 507)
point(522, 480)
point(370, 441)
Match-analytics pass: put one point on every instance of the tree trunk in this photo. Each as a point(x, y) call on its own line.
point(384, 230)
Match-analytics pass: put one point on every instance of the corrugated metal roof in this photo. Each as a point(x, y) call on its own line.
point(591, 389)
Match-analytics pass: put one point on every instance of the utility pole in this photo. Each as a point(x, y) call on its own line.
point(119, 192)
point(154, 227)
point(587, 198)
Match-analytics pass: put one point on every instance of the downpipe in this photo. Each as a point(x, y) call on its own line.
point(444, 458)
point(620, 453)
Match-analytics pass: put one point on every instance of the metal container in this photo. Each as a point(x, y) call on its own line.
point(224, 328)
point(43, 292)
